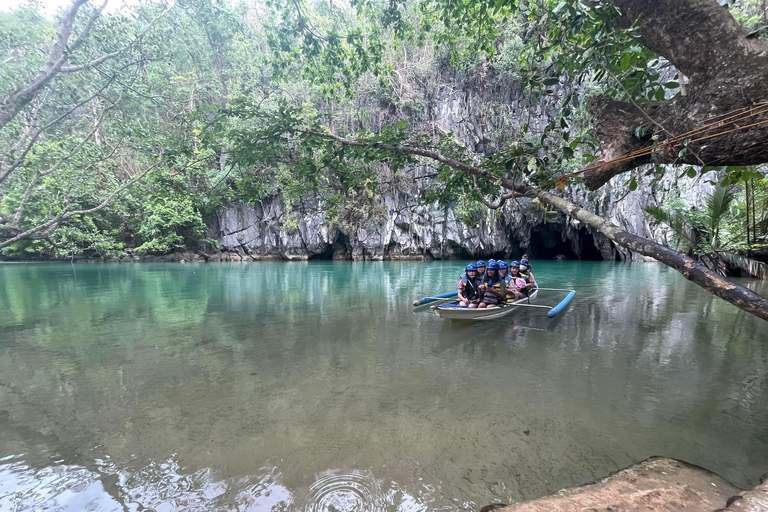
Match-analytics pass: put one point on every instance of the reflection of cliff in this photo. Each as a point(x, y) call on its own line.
point(484, 114)
point(214, 385)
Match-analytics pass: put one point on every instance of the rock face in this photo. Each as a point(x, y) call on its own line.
point(483, 114)
point(655, 484)
point(409, 231)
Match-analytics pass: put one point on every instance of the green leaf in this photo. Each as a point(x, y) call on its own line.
point(626, 61)
point(633, 184)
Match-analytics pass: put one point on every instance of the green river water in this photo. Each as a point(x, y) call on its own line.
point(317, 387)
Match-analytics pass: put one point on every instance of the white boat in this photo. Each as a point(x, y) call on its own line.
point(452, 310)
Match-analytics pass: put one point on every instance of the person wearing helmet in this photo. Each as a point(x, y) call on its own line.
point(517, 284)
point(480, 269)
point(507, 292)
point(490, 289)
point(469, 287)
point(525, 270)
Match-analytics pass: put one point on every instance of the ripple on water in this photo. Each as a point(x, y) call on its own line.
point(336, 491)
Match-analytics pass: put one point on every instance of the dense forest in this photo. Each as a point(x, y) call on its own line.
point(125, 129)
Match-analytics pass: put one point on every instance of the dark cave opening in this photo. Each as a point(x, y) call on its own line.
point(589, 250)
point(327, 254)
point(547, 243)
point(338, 250)
point(456, 251)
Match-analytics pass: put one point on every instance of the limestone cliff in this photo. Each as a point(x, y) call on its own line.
point(483, 112)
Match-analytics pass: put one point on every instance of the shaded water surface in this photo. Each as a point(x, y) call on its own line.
point(316, 386)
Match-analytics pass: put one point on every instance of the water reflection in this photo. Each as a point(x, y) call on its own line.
point(165, 486)
point(317, 387)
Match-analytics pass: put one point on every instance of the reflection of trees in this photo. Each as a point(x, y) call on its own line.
point(198, 375)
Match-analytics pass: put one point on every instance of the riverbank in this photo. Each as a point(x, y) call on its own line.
point(657, 483)
point(216, 257)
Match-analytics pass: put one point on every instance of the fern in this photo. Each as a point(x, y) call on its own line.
point(675, 222)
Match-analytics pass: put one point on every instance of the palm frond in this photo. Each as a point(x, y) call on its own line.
point(674, 221)
point(718, 203)
point(754, 268)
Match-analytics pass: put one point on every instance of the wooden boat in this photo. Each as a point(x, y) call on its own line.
point(453, 311)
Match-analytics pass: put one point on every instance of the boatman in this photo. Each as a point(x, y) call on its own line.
point(469, 287)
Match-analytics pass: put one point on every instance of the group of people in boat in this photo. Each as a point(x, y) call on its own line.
point(496, 284)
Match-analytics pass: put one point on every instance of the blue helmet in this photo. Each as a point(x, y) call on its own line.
point(471, 266)
point(480, 263)
point(514, 264)
point(503, 264)
point(493, 265)
point(525, 262)
point(492, 261)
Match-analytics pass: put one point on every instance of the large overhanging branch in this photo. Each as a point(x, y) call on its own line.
point(15, 220)
point(740, 296)
point(699, 37)
point(728, 75)
point(107, 56)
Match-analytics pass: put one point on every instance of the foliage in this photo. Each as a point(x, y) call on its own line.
point(167, 221)
point(233, 100)
point(716, 230)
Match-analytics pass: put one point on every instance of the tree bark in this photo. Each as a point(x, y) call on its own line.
point(728, 72)
point(740, 296)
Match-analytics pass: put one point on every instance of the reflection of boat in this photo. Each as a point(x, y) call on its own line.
point(453, 311)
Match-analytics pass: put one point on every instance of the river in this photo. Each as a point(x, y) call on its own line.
point(316, 386)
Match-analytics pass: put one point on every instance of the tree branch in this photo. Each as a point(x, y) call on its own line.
point(15, 220)
point(66, 214)
point(699, 37)
point(728, 72)
point(16, 217)
point(7, 172)
point(105, 57)
point(17, 100)
point(487, 202)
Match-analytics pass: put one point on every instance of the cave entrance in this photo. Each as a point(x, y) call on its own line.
point(547, 242)
point(589, 250)
point(336, 250)
point(327, 254)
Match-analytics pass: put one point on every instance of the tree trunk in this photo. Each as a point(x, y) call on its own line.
point(728, 75)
